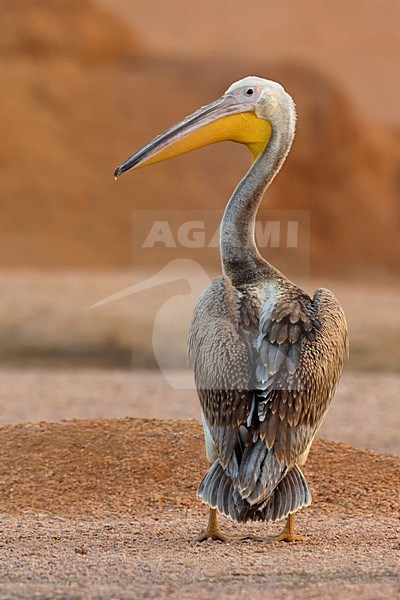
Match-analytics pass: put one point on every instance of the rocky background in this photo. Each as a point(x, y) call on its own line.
point(85, 83)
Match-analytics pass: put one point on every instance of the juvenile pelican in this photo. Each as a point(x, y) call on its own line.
point(267, 357)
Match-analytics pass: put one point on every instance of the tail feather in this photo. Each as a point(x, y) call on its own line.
point(232, 512)
point(217, 491)
point(296, 491)
point(250, 467)
point(220, 491)
point(216, 482)
point(224, 495)
point(270, 475)
point(289, 496)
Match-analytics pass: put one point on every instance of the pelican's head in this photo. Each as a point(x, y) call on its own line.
point(247, 113)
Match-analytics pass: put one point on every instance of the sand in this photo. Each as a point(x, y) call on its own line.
point(107, 509)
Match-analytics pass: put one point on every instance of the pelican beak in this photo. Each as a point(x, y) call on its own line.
point(226, 119)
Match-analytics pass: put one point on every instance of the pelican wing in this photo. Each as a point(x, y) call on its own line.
point(282, 383)
point(222, 365)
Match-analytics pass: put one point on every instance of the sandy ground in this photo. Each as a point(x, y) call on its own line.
point(107, 509)
point(365, 411)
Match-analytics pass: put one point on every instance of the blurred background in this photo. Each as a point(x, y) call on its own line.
point(84, 83)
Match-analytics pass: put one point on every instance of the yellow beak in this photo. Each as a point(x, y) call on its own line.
point(226, 119)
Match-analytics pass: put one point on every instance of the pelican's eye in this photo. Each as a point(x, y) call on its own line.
point(249, 92)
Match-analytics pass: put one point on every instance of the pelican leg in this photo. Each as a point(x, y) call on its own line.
point(214, 532)
point(287, 534)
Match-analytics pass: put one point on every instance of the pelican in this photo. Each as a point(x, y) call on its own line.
point(267, 357)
